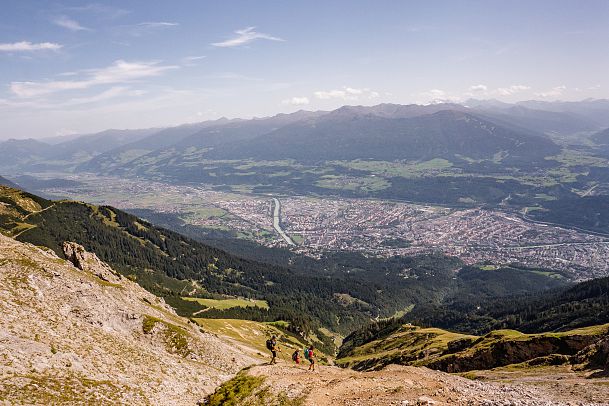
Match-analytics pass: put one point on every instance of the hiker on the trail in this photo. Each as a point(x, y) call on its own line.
point(271, 345)
point(310, 356)
point(296, 357)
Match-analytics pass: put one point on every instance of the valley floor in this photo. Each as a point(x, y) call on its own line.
point(401, 385)
point(314, 224)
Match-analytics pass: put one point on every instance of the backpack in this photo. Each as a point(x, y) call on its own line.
point(270, 345)
point(307, 354)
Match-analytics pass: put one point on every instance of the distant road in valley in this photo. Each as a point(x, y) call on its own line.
point(277, 221)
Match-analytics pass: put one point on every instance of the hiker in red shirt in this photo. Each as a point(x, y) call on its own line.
point(310, 355)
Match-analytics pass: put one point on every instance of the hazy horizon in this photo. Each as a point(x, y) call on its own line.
point(78, 67)
point(296, 110)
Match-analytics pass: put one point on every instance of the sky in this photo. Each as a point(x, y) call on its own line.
point(69, 67)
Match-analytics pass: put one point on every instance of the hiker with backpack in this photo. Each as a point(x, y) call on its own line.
point(271, 345)
point(310, 356)
point(296, 357)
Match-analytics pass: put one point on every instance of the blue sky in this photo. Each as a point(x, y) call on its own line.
point(78, 67)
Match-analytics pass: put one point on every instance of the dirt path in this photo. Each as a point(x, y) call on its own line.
point(27, 216)
point(399, 385)
point(39, 211)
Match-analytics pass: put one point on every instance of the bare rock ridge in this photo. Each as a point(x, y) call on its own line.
point(87, 261)
point(83, 335)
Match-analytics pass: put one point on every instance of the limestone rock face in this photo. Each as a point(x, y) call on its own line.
point(87, 261)
point(74, 332)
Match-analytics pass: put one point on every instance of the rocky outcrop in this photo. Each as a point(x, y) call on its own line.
point(595, 356)
point(89, 262)
point(74, 332)
point(502, 352)
point(455, 353)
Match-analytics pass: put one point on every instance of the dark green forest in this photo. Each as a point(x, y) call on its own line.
point(557, 309)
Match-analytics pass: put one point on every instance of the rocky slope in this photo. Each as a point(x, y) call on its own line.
point(398, 385)
point(77, 332)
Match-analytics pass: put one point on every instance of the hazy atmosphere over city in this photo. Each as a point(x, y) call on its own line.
point(73, 67)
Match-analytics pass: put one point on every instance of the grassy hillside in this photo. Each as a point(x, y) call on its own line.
point(251, 334)
point(453, 352)
point(223, 304)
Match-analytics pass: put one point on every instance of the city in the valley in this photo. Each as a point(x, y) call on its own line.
point(313, 225)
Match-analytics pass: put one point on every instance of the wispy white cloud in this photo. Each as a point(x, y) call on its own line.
point(434, 94)
point(26, 46)
point(481, 90)
point(191, 60)
point(148, 27)
point(245, 36)
point(508, 91)
point(119, 72)
point(69, 24)
point(346, 93)
point(296, 101)
point(111, 93)
point(157, 24)
point(233, 76)
point(194, 58)
point(478, 88)
point(554, 92)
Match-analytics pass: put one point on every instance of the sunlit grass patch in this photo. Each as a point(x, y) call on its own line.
point(223, 304)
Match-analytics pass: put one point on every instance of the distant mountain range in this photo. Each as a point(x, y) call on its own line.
point(6, 182)
point(337, 136)
point(477, 129)
point(38, 155)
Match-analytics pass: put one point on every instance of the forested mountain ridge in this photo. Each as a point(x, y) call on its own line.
point(443, 134)
point(555, 310)
point(340, 294)
point(558, 309)
point(165, 262)
point(41, 155)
